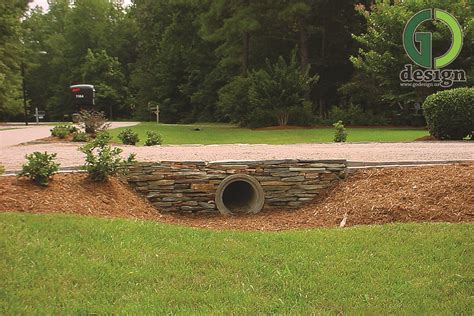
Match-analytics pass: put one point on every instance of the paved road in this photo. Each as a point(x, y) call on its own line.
point(12, 157)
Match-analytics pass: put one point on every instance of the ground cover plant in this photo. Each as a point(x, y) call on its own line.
point(70, 264)
point(231, 134)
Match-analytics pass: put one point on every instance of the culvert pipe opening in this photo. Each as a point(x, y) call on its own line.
point(239, 194)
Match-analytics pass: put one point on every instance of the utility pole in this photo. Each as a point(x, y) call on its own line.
point(25, 106)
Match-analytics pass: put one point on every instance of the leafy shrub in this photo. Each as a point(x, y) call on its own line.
point(355, 115)
point(93, 122)
point(341, 134)
point(80, 137)
point(234, 100)
point(261, 118)
point(39, 167)
point(302, 116)
point(62, 131)
point(128, 137)
point(153, 138)
point(2, 169)
point(280, 88)
point(450, 113)
point(102, 160)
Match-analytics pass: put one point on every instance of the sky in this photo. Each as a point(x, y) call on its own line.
point(44, 3)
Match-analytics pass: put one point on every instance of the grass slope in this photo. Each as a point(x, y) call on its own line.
point(230, 134)
point(58, 264)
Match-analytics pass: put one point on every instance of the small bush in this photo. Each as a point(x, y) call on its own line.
point(340, 135)
point(102, 160)
point(2, 169)
point(450, 113)
point(39, 167)
point(128, 137)
point(153, 138)
point(61, 131)
point(355, 115)
point(93, 122)
point(80, 137)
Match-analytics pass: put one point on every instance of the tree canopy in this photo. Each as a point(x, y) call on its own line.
point(209, 60)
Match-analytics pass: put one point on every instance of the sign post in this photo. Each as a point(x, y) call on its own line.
point(157, 112)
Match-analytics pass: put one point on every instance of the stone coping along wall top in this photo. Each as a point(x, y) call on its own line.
point(190, 186)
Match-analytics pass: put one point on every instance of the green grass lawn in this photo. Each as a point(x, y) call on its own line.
point(230, 134)
point(66, 264)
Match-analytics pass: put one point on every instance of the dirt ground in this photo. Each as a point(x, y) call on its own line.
point(371, 196)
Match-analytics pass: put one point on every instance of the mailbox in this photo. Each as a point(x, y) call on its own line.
point(83, 94)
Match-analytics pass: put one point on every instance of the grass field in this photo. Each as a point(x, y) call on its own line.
point(230, 134)
point(60, 264)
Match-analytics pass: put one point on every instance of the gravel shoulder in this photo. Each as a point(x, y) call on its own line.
point(12, 157)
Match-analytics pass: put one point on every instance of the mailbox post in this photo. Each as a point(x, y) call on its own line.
point(83, 95)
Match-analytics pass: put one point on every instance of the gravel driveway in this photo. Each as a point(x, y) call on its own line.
point(12, 156)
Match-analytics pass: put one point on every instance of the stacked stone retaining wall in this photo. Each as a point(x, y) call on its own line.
point(190, 186)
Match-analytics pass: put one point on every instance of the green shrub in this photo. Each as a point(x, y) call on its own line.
point(153, 138)
point(341, 134)
point(355, 115)
point(80, 137)
point(63, 130)
point(234, 100)
point(128, 137)
point(39, 167)
point(450, 113)
point(280, 88)
point(2, 169)
point(102, 160)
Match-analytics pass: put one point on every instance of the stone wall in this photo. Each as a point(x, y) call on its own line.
point(191, 185)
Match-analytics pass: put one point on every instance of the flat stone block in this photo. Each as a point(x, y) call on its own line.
point(203, 187)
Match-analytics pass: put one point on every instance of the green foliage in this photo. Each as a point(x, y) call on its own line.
point(2, 169)
point(450, 113)
point(102, 160)
point(128, 137)
point(11, 54)
point(39, 167)
point(376, 82)
point(355, 115)
point(109, 81)
point(80, 137)
point(153, 138)
point(63, 130)
point(234, 101)
point(280, 88)
point(340, 134)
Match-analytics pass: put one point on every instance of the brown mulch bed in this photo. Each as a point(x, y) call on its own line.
point(371, 196)
point(73, 193)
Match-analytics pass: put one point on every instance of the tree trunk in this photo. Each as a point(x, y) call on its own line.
point(245, 53)
point(283, 119)
point(304, 50)
point(322, 100)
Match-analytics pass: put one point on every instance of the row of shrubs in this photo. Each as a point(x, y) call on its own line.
point(93, 122)
point(102, 161)
point(129, 137)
